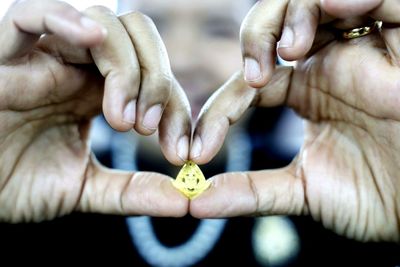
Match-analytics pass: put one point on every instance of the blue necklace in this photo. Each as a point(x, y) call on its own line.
point(208, 232)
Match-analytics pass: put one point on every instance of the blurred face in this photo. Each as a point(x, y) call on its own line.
point(202, 39)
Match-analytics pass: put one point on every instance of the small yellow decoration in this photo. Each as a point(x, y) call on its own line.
point(190, 180)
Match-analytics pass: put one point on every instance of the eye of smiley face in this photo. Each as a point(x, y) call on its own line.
point(190, 180)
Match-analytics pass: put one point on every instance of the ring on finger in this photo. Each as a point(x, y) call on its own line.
point(362, 31)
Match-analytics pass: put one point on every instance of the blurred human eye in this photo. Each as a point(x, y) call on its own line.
point(221, 28)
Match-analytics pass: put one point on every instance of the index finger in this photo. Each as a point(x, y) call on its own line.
point(26, 21)
point(162, 103)
point(117, 61)
point(217, 114)
point(228, 104)
point(259, 34)
point(292, 23)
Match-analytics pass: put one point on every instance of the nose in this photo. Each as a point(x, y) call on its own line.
point(183, 45)
point(187, 52)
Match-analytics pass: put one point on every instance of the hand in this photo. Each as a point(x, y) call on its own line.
point(51, 88)
point(346, 174)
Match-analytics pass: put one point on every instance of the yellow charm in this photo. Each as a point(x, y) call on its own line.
point(190, 180)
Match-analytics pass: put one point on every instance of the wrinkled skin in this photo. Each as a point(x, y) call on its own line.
point(51, 89)
point(349, 160)
point(348, 91)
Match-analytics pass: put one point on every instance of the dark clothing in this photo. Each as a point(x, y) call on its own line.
point(80, 239)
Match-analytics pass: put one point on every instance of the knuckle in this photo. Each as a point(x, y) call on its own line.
point(133, 72)
point(98, 9)
point(136, 17)
point(260, 33)
point(57, 7)
point(162, 82)
point(125, 78)
point(140, 16)
point(265, 31)
point(63, 6)
point(131, 77)
point(145, 19)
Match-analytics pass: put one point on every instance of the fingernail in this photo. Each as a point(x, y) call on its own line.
point(152, 117)
point(252, 70)
point(130, 112)
point(196, 148)
point(90, 24)
point(183, 148)
point(287, 38)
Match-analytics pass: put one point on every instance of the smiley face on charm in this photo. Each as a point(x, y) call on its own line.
point(190, 180)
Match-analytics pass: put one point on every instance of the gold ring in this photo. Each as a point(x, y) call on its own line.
point(362, 31)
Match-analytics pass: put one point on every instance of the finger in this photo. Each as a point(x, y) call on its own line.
point(53, 78)
point(259, 34)
point(227, 105)
point(156, 73)
point(323, 37)
point(124, 193)
point(301, 22)
point(26, 21)
point(61, 49)
point(351, 8)
point(116, 59)
point(175, 127)
point(384, 10)
point(221, 110)
point(391, 36)
point(269, 192)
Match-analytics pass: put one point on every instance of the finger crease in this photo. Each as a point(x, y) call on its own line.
point(123, 192)
point(255, 194)
point(82, 189)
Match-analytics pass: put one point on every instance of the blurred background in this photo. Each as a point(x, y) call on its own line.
point(202, 39)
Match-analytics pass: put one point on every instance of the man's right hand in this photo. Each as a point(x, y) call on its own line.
point(346, 174)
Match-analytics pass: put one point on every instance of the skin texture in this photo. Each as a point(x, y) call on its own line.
point(344, 176)
point(51, 88)
point(347, 91)
point(202, 40)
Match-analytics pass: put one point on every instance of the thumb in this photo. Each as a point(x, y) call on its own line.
point(264, 192)
point(125, 193)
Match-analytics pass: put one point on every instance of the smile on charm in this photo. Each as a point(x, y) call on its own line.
point(190, 180)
